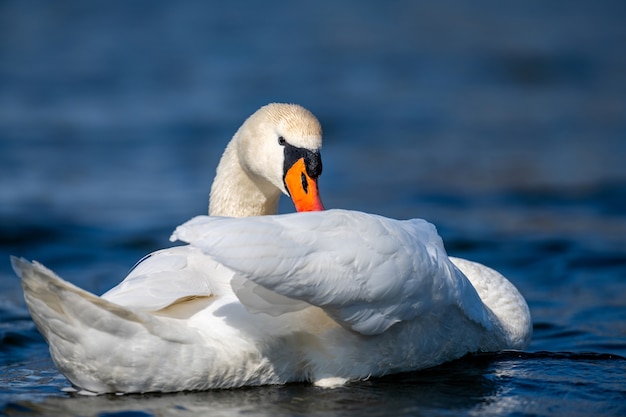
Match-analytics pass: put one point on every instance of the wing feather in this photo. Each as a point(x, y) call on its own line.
point(367, 272)
point(168, 276)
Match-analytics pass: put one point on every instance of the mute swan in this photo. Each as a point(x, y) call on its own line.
point(325, 296)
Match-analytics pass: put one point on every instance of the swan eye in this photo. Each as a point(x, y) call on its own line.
point(281, 141)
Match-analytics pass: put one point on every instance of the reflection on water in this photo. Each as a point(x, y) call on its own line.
point(493, 384)
point(461, 385)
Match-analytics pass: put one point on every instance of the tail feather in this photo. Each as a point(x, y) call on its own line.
point(89, 336)
point(49, 297)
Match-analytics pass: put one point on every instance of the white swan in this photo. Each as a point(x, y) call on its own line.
point(326, 296)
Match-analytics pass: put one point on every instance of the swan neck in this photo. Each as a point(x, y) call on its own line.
point(237, 193)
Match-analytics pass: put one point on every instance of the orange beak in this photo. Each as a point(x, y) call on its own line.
point(302, 188)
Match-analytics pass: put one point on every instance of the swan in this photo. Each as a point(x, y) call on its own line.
point(254, 298)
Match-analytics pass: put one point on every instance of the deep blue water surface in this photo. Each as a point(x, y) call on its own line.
point(503, 123)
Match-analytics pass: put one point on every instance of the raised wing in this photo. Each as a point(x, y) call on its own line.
point(168, 276)
point(367, 272)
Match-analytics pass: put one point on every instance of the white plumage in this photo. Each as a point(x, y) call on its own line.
point(367, 272)
point(326, 297)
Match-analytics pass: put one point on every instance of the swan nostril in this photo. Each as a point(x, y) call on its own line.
point(305, 183)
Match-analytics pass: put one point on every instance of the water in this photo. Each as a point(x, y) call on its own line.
point(504, 125)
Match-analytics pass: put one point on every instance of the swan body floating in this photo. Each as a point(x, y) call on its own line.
point(253, 299)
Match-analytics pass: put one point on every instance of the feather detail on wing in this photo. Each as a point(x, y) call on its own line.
point(367, 272)
point(169, 276)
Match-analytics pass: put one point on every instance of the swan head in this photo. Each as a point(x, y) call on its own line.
point(279, 147)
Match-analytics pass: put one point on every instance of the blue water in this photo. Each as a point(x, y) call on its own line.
point(503, 123)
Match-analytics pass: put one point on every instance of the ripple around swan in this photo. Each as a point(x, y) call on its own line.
point(485, 384)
